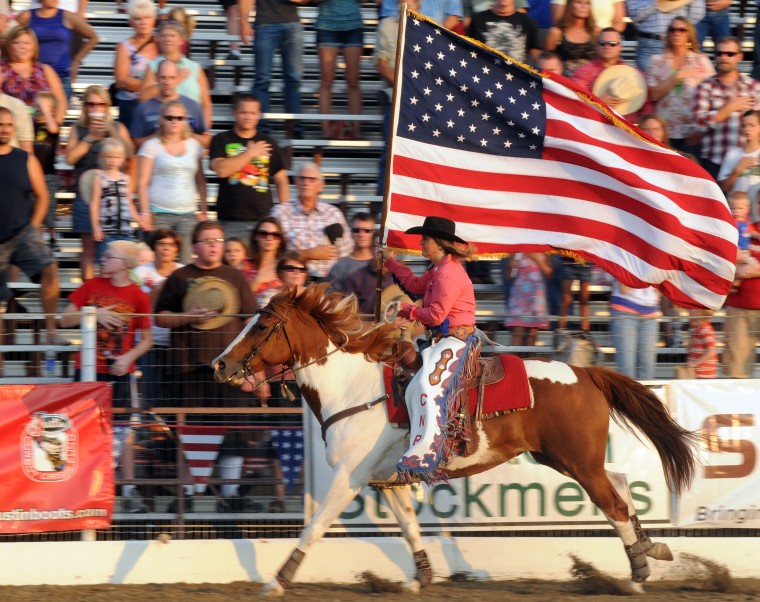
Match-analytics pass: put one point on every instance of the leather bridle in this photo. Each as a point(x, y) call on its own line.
point(280, 325)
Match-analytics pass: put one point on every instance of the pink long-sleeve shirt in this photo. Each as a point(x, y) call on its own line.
point(447, 289)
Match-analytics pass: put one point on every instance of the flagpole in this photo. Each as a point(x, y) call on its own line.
point(389, 154)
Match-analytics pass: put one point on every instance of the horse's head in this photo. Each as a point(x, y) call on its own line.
point(267, 340)
point(300, 328)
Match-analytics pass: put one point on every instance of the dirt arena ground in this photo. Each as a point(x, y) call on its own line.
point(709, 584)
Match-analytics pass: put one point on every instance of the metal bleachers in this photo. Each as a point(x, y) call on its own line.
point(350, 166)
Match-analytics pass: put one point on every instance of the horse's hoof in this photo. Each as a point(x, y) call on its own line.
point(412, 586)
point(660, 551)
point(635, 588)
point(273, 589)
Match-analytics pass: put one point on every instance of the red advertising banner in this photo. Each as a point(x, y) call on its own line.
point(56, 463)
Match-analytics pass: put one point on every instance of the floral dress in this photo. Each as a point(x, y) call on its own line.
point(677, 106)
point(527, 299)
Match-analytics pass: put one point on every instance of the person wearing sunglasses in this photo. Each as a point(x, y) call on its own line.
point(720, 102)
point(145, 119)
point(609, 50)
point(95, 124)
point(267, 249)
point(673, 78)
point(363, 234)
point(652, 19)
point(171, 186)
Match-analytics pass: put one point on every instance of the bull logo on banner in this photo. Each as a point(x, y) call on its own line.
point(49, 448)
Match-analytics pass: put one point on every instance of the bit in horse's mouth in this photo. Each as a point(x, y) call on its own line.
point(237, 379)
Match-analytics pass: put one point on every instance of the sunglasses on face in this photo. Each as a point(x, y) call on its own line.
point(611, 44)
point(174, 117)
point(293, 268)
point(730, 53)
point(90, 104)
point(677, 30)
point(267, 234)
point(365, 230)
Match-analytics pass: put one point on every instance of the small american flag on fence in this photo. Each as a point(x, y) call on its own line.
point(526, 161)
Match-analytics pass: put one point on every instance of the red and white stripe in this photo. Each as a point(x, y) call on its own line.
point(643, 213)
point(200, 444)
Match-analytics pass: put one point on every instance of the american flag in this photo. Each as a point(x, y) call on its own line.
point(289, 446)
point(201, 445)
point(525, 161)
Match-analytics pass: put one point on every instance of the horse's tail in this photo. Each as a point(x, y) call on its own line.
point(633, 404)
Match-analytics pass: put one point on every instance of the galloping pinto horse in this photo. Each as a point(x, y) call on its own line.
point(337, 359)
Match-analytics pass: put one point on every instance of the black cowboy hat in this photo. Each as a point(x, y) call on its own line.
point(437, 227)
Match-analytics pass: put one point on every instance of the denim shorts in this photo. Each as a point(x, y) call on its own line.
point(28, 251)
point(571, 270)
point(340, 39)
point(81, 222)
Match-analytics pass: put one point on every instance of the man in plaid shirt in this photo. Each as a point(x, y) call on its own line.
point(720, 103)
point(305, 219)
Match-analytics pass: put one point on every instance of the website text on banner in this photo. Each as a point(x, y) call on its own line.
point(525, 161)
point(56, 461)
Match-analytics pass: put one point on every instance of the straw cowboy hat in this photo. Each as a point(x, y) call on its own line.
point(85, 184)
point(216, 295)
point(625, 83)
point(437, 227)
point(393, 293)
point(667, 6)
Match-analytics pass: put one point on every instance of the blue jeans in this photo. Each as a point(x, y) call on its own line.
point(287, 39)
point(715, 24)
point(645, 50)
point(635, 341)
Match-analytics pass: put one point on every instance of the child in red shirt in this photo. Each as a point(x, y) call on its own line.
point(702, 354)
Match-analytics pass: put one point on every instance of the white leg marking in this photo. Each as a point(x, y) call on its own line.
point(626, 532)
point(620, 483)
point(555, 371)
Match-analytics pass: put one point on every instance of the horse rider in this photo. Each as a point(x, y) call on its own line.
point(448, 313)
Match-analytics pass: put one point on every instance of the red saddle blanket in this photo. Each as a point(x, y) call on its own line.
point(510, 394)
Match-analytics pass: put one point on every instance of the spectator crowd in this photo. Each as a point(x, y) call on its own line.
point(138, 172)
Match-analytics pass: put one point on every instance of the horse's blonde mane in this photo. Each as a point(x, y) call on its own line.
point(338, 317)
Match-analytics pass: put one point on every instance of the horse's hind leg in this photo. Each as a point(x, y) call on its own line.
point(658, 550)
point(604, 495)
point(400, 502)
point(338, 497)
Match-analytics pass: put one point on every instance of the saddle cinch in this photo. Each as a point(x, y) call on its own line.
point(498, 385)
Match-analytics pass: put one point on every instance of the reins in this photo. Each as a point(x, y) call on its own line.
point(338, 416)
point(280, 325)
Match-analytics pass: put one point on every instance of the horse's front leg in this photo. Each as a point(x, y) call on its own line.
point(339, 494)
point(400, 502)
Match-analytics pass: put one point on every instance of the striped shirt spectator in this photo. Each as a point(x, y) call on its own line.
point(703, 342)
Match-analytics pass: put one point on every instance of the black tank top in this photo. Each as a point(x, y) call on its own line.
point(18, 204)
